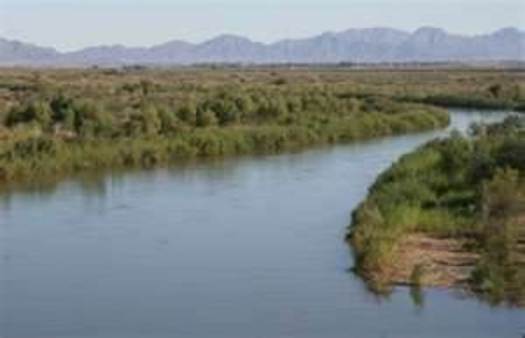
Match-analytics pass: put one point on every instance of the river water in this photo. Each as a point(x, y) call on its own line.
point(245, 247)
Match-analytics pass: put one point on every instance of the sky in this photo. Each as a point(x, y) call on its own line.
point(73, 24)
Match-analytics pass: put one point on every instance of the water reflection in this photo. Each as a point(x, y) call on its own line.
point(462, 123)
point(417, 294)
point(220, 248)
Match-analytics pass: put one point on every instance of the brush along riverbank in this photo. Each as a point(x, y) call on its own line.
point(452, 213)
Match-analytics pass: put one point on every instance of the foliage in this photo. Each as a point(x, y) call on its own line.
point(144, 119)
point(455, 187)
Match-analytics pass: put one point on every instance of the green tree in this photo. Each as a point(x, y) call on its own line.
point(151, 121)
point(205, 118)
point(503, 200)
point(37, 111)
point(188, 112)
point(168, 120)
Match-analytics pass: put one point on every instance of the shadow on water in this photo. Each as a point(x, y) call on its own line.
point(95, 184)
point(214, 248)
point(417, 294)
point(383, 293)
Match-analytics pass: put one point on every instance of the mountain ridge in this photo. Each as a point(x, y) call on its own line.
point(373, 45)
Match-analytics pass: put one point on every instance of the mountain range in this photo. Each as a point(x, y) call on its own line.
point(371, 45)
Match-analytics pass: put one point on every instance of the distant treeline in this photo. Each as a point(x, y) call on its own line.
point(509, 65)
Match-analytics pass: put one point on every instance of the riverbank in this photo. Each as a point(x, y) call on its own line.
point(33, 155)
point(261, 231)
point(57, 122)
point(450, 214)
point(432, 261)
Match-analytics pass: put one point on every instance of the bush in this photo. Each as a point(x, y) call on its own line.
point(471, 188)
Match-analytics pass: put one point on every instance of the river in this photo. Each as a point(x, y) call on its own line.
point(244, 247)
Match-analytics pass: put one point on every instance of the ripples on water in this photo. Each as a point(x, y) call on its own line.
point(248, 247)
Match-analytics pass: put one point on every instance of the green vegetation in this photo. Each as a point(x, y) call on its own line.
point(58, 122)
point(62, 122)
point(495, 96)
point(55, 122)
point(469, 188)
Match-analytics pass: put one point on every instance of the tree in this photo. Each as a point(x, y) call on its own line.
point(62, 107)
point(151, 122)
point(455, 155)
point(91, 120)
point(205, 118)
point(503, 200)
point(512, 154)
point(188, 113)
point(37, 111)
point(168, 120)
point(495, 90)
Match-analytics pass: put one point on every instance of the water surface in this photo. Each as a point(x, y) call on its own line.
point(248, 247)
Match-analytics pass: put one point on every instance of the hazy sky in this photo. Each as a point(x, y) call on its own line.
point(73, 24)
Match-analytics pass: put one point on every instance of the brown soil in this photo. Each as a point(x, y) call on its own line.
point(443, 262)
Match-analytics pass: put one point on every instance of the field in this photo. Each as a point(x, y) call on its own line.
point(57, 122)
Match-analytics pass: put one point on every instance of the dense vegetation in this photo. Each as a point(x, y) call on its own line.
point(65, 121)
point(55, 122)
point(62, 121)
point(470, 187)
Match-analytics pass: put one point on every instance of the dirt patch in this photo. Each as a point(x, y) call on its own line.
point(439, 262)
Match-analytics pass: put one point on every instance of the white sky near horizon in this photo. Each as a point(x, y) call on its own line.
point(74, 24)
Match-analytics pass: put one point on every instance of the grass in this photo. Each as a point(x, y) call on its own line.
point(64, 121)
point(457, 187)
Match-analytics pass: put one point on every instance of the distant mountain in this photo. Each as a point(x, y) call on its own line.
point(17, 52)
point(427, 44)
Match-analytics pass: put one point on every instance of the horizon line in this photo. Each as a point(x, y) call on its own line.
point(269, 43)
